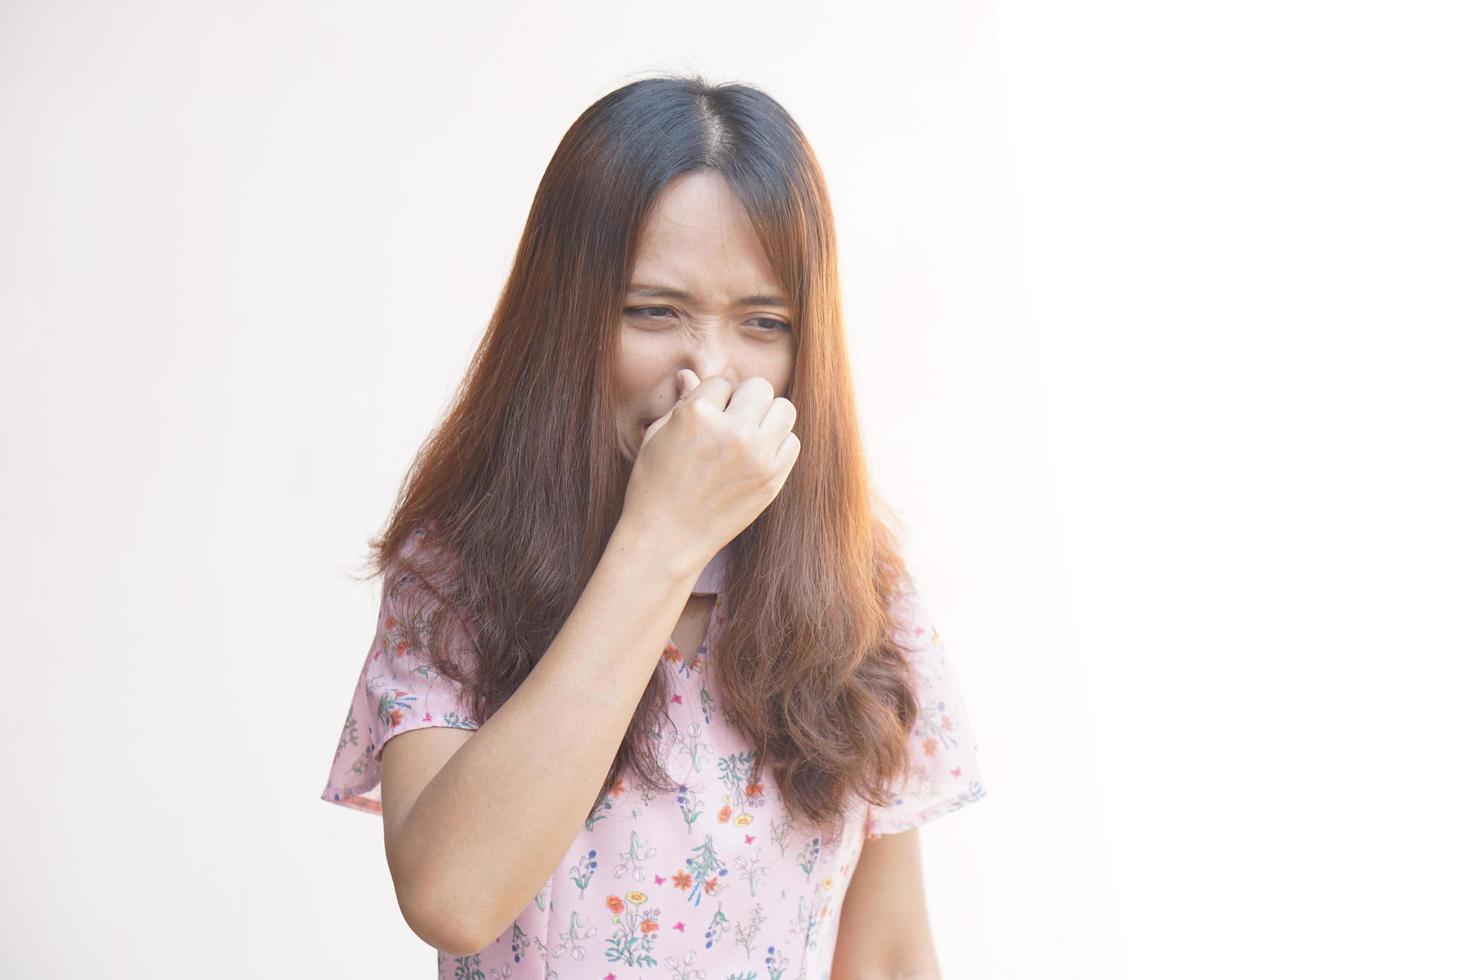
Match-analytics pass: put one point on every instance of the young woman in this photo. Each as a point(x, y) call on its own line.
point(651, 692)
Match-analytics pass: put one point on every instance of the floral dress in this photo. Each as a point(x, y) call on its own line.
point(716, 881)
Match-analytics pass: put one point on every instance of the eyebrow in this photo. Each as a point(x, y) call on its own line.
point(684, 295)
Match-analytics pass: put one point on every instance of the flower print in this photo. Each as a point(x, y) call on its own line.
point(746, 933)
point(581, 873)
point(599, 812)
point(468, 967)
point(808, 859)
point(391, 705)
point(744, 820)
point(776, 963)
point(751, 868)
point(682, 879)
point(636, 898)
point(781, 830)
point(718, 926)
point(725, 813)
point(690, 807)
point(569, 942)
point(931, 746)
point(632, 940)
point(707, 866)
point(615, 904)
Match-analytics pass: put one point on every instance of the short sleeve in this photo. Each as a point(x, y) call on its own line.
point(944, 770)
point(398, 689)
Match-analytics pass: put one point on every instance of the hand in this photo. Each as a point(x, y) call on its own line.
point(712, 463)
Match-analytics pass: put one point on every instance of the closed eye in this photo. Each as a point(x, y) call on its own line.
point(647, 312)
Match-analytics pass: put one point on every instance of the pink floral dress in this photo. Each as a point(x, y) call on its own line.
point(715, 882)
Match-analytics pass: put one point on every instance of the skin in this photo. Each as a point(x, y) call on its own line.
point(699, 239)
point(884, 931)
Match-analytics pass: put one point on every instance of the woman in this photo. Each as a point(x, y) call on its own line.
point(645, 688)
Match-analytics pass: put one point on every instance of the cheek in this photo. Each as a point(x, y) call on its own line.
point(641, 362)
point(776, 366)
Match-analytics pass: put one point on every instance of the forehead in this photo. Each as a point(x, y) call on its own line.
point(699, 238)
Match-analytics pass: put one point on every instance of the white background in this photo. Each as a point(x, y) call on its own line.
point(1159, 316)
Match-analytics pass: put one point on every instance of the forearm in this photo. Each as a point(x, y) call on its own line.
point(490, 827)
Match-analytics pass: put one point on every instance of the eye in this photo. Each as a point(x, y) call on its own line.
point(645, 311)
point(772, 324)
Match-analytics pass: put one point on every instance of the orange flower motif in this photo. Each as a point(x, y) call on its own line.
point(754, 789)
point(725, 813)
point(392, 622)
point(931, 746)
point(710, 884)
point(402, 648)
point(682, 880)
point(615, 904)
point(945, 723)
point(395, 717)
point(648, 925)
point(672, 654)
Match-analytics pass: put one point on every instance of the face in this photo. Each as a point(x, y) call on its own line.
point(725, 316)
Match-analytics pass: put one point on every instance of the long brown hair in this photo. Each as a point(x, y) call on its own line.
point(520, 485)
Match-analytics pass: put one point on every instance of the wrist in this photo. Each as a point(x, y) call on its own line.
point(656, 554)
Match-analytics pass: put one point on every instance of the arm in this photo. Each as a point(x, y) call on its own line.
point(502, 804)
point(884, 930)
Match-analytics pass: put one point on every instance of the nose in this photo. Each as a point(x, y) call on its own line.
point(709, 356)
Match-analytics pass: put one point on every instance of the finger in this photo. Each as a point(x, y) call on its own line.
point(714, 389)
point(779, 419)
point(752, 400)
point(786, 455)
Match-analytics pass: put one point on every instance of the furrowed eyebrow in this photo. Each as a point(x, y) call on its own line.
point(669, 292)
